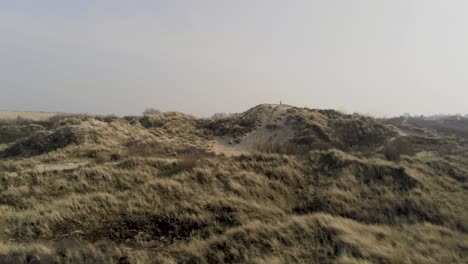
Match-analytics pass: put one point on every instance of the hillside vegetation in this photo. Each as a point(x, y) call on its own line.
point(275, 184)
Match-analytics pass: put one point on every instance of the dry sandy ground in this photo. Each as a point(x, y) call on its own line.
point(281, 134)
point(3, 146)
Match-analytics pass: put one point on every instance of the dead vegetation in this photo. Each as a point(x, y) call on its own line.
point(40, 143)
point(12, 133)
point(150, 190)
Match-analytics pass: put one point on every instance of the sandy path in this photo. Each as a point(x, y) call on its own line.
point(60, 166)
point(52, 167)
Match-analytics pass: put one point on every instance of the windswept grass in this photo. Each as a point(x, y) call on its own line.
point(149, 190)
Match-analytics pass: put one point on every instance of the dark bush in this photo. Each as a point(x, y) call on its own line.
point(394, 149)
point(151, 111)
point(102, 157)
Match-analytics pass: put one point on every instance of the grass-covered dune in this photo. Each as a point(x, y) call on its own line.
point(321, 187)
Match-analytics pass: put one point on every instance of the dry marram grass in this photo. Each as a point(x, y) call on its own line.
point(150, 190)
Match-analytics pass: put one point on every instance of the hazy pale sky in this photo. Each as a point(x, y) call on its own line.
point(206, 56)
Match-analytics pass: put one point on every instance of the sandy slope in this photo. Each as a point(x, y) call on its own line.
point(281, 133)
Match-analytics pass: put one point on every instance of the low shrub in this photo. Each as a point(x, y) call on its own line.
point(394, 149)
point(187, 163)
point(151, 111)
point(102, 157)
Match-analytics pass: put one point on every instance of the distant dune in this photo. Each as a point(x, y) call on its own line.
point(37, 116)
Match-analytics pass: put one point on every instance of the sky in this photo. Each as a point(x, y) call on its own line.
point(200, 57)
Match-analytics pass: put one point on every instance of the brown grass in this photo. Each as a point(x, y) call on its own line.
point(167, 199)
